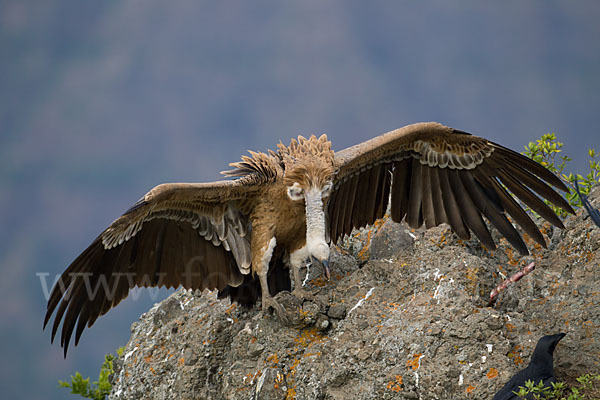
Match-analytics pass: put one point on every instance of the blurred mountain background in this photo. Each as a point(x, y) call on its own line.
point(101, 100)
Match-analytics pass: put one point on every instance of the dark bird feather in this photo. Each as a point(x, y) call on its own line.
point(594, 213)
point(540, 369)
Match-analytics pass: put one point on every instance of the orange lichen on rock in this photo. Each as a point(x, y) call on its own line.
point(513, 259)
point(492, 373)
point(309, 336)
point(291, 394)
point(413, 362)
point(279, 379)
point(231, 308)
point(515, 354)
point(320, 281)
point(363, 254)
point(250, 378)
point(396, 385)
point(316, 354)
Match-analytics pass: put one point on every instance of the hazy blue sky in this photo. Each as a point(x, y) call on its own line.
point(101, 100)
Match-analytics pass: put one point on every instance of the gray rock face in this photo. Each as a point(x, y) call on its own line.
point(402, 318)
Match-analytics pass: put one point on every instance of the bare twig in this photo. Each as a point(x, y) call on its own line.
point(500, 288)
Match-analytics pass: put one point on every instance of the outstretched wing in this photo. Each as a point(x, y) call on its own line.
point(192, 234)
point(437, 174)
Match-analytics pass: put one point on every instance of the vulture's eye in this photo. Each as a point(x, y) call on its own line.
point(295, 192)
point(326, 191)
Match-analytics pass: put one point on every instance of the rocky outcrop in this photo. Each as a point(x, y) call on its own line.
point(405, 316)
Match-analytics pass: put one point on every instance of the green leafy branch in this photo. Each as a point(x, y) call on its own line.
point(97, 390)
point(546, 152)
point(589, 385)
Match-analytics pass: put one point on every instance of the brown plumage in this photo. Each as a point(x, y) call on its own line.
point(238, 236)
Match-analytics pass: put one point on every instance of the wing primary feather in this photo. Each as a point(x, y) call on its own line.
point(359, 209)
point(372, 188)
point(400, 189)
point(471, 215)
point(135, 241)
point(69, 323)
point(377, 187)
point(57, 296)
point(333, 211)
point(383, 194)
point(518, 214)
point(79, 270)
point(490, 195)
point(414, 216)
point(59, 314)
point(347, 225)
point(530, 199)
point(340, 206)
point(593, 212)
point(63, 286)
point(160, 242)
point(451, 207)
point(480, 191)
point(84, 316)
point(427, 202)
point(530, 165)
point(541, 188)
point(436, 197)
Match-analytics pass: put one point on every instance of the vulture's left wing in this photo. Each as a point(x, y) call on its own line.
point(437, 174)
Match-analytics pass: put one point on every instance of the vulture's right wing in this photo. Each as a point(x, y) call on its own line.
point(192, 234)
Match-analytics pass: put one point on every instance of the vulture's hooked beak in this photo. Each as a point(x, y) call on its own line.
point(326, 268)
point(325, 264)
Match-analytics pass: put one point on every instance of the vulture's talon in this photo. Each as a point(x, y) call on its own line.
point(270, 302)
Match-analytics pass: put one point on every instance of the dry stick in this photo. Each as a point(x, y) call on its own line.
point(500, 288)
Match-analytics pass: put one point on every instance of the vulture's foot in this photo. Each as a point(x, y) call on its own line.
point(303, 294)
point(270, 302)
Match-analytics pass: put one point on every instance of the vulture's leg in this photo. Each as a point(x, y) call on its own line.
point(262, 261)
point(268, 301)
point(297, 259)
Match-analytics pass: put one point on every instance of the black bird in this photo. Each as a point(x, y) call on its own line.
point(540, 368)
point(594, 213)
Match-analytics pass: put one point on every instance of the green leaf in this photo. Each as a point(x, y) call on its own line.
point(99, 389)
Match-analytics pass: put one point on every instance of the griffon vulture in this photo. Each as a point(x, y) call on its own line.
point(237, 236)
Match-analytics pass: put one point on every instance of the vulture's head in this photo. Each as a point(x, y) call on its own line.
point(309, 182)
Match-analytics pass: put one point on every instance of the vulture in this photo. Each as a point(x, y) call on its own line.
point(240, 236)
